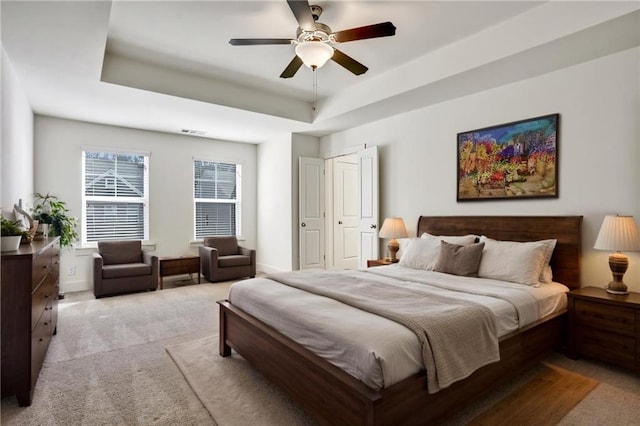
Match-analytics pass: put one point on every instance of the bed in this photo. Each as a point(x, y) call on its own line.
point(333, 396)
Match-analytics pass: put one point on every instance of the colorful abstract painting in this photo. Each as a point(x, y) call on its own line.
point(512, 160)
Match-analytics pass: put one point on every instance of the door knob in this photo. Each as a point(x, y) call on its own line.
point(339, 222)
point(303, 224)
point(373, 226)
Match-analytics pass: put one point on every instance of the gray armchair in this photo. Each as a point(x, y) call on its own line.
point(222, 259)
point(122, 266)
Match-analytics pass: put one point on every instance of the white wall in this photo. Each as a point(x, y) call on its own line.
point(599, 140)
point(17, 141)
point(274, 251)
point(58, 170)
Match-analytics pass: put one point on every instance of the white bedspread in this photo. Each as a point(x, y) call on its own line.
point(378, 351)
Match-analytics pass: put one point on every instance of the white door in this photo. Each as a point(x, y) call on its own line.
point(346, 218)
point(311, 213)
point(368, 196)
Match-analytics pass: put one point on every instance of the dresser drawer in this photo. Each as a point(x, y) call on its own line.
point(40, 300)
point(605, 317)
point(606, 346)
point(40, 339)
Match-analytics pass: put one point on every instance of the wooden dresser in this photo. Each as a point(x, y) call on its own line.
point(30, 283)
point(605, 326)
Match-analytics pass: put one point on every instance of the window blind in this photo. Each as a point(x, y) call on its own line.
point(115, 196)
point(216, 198)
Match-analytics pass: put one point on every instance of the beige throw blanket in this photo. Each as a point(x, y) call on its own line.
point(457, 337)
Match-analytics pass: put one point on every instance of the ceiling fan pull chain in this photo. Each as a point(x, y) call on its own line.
point(315, 88)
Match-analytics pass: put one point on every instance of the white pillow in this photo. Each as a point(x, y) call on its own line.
point(423, 252)
point(463, 240)
point(512, 261)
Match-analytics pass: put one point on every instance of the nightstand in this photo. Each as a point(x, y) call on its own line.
point(604, 326)
point(377, 262)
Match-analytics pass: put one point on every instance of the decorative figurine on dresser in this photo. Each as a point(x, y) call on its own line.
point(30, 283)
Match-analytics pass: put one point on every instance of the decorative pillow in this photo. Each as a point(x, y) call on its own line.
point(421, 253)
point(459, 260)
point(513, 261)
point(463, 240)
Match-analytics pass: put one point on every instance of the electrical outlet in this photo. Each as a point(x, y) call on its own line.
point(72, 270)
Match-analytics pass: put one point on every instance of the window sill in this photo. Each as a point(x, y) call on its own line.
point(199, 242)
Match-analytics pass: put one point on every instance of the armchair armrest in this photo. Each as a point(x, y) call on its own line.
point(208, 261)
point(98, 262)
point(252, 255)
point(151, 259)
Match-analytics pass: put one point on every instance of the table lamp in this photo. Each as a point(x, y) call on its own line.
point(618, 233)
point(393, 227)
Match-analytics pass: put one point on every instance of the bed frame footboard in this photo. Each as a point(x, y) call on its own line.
point(332, 396)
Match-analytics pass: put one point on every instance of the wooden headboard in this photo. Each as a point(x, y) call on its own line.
point(565, 262)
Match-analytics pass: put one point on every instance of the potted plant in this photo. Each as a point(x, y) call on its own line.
point(49, 210)
point(11, 235)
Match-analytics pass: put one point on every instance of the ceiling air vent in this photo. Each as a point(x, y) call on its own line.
point(193, 132)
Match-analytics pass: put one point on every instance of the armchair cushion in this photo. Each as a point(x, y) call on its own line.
point(233, 260)
point(126, 270)
point(225, 245)
point(119, 252)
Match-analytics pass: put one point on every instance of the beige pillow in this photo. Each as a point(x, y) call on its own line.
point(459, 260)
point(512, 261)
point(421, 253)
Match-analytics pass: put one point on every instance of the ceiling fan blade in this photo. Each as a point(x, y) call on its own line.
point(302, 12)
point(348, 62)
point(257, 41)
point(292, 68)
point(383, 29)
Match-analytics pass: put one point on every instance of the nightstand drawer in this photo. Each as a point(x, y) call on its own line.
point(606, 346)
point(611, 319)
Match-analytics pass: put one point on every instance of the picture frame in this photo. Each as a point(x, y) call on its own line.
point(513, 160)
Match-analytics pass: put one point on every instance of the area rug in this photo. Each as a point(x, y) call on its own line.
point(545, 400)
point(233, 392)
point(236, 394)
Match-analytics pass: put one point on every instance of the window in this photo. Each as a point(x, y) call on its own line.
point(115, 196)
point(216, 196)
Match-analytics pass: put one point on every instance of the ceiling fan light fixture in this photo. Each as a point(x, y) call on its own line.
point(314, 54)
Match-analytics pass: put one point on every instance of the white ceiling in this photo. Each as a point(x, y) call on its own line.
point(167, 65)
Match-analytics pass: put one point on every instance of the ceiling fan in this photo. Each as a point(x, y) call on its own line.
point(314, 40)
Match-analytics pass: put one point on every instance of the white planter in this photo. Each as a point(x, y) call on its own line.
point(11, 243)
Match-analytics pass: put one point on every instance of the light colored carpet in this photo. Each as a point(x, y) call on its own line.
point(108, 365)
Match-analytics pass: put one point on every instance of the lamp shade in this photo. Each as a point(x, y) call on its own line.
point(618, 233)
point(393, 227)
point(314, 54)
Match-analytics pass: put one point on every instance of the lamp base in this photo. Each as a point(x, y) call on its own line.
point(393, 248)
point(619, 293)
point(617, 287)
point(618, 264)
